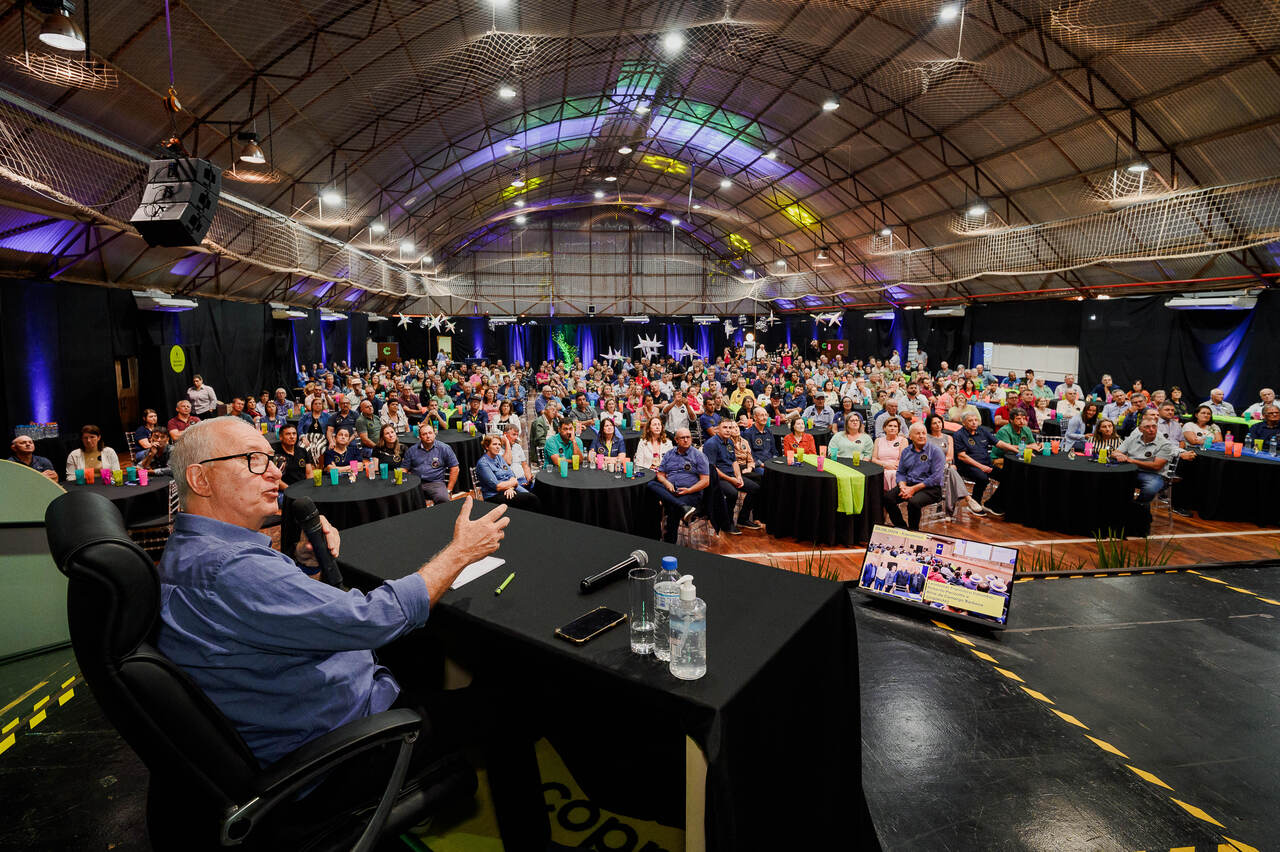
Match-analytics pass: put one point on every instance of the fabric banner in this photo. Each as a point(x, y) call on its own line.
point(850, 484)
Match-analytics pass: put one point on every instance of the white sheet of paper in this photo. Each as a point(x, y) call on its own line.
point(477, 569)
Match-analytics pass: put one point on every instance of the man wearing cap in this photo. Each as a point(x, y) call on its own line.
point(819, 412)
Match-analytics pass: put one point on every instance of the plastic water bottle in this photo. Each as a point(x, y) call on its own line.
point(1271, 446)
point(688, 629)
point(666, 593)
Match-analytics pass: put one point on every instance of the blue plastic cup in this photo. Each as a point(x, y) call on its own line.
point(333, 476)
point(382, 470)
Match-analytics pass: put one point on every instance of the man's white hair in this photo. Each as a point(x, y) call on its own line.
point(202, 441)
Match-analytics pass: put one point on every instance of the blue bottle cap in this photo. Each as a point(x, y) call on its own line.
point(669, 563)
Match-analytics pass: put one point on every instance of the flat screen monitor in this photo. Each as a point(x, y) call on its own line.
point(968, 579)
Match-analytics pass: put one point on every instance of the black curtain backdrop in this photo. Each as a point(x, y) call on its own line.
point(59, 343)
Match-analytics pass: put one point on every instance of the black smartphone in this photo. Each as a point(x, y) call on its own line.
point(590, 625)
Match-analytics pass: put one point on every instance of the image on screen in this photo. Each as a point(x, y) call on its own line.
point(972, 579)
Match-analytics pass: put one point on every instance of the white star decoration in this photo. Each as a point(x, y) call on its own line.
point(832, 319)
point(404, 321)
point(686, 351)
point(649, 345)
point(613, 355)
point(729, 327)
point(449, 325)
point(434, 322)
point(762, 324)
point(771, 320)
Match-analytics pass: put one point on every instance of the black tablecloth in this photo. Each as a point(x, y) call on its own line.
point(595, 497)
point(777, 714)
point(799, 501)
point(1222, 489)
point(1076, 496)
point(350, 504)
point(137, 503)
point(465, 446)
point(630, 437)
point(821, 435)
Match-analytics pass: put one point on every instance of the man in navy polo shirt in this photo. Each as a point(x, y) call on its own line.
point(758, 436)
point(344, 416)
point(973, 444)
point(680, 478)
point(435, 462)
point(729, 480)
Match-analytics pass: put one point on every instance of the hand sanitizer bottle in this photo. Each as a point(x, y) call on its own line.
point(688, 628)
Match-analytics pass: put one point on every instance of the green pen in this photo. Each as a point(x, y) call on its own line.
point(510, 577)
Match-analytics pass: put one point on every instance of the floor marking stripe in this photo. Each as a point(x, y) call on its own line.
point(1106, 746)
point(1270, 601)
point(961, 639)
point(68, 682)
point(15, 702)
point(7, 743)
point(37, 719)
point(1212, 580)
point(1039, 696)
point(1196, 812)
point(943, 625)
point(9, 727)
point(41, 703)
point(1243, 847)
point(983, 655)
point(1147, 776)
point(1241, 591)
point(1067, 717)
point(1161, 535)
point(66, 696)
point(1009, 674)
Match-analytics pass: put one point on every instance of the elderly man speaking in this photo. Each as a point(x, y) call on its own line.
point(285, 657)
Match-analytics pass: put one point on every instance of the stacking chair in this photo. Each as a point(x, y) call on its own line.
point(152, 534)
point(207, 791)
point(1171, 478)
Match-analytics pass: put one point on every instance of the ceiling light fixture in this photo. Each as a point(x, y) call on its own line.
point(610, 178)
point(1138, 168)
point(673, 43)
point(426, 258)
point(518, 182)
point(521, 219)
point(511, 148)
point(624, 150)
point(949, 13)
point(59, 31)
point(697, 207)
point(331, 196)
point(252, 151)
point(975, 210)
point(822, 253)
point(377, 228)
point(886, 232)
point(772, 155)
point(675, 223)
point(406, 246)
point(519, 202)
point(599, 193)
point(506, 92)
point(831, 104)
point(780, 262)
point(725, 183)
point(642, 108)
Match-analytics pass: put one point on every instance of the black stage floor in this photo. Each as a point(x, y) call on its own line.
point(1177, 672)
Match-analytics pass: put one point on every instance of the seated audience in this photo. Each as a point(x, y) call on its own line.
point(505, 415)
point(23, 451)
point(473, 416)
point(1179, 404)
point(1254, 412)
point(1269, 429)
point(1082, 426)
point(388, 450)
point(919, 479)
point(368, 425)
point(1132, 417)
point(498, 482)
point(1013, 436)
point(759, 437)
point(293, 461)
point(727, 477)
point(887, 450)
point(142, 435)
point(514, 453)
point(91, 453)
point(344, 416)
point(1201, 431)
point(973, 443)
point(1105, 437)
point(156, 457)
point(544, 426)
point(890, 412)
point(1218, 404)
point(237, 410)
point(654, 444)
point(1069, 406)
point(435, 463)
point(344, 451)
point(564, 444)
point(820, 413)
point(953, 487)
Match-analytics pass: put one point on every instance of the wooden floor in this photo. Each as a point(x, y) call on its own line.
point(1194, 541)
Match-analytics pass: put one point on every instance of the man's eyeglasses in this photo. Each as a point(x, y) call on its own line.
point(258, 461)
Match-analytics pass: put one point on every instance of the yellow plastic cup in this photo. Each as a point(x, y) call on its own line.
point(577, 460)
point(317, 476)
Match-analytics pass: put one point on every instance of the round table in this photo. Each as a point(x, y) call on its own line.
point(630, 437)
point(138, 504)
point(350, 504)
point(595, 497)
point(821, 435)
point(1077, 496)
point(464, 445)
point(1237, 426)
point(1222, 489)
point(799, 501)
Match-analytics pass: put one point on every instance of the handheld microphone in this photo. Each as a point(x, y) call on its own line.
point(637, 558)
point(307, 516)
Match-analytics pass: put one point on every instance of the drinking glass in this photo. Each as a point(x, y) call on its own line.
point(641, 608)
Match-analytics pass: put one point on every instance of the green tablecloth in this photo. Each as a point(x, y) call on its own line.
point(1222, 418)
point(850, 484)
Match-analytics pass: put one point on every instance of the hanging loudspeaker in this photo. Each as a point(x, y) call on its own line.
point(178, 202)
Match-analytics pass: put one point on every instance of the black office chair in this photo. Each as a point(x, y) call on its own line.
point(207, 790)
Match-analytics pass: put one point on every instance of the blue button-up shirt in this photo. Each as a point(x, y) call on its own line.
point(490, 471)
point(286, 658)
point(684, 470)
point(825, 417)
point(926, 465)
point(433, 464)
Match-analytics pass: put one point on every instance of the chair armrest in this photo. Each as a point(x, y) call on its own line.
point(304, 766)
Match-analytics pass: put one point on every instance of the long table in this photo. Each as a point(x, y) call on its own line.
point(776, 718)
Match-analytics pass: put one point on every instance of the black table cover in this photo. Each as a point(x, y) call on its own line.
point(1076, 496)
point(136, 503)
point(821, 435)
point(630, 437)
point(464, 445)
point(350, 504)
point(777, 714)
point(1222, 489)
point(799, 501)
point(595, 497)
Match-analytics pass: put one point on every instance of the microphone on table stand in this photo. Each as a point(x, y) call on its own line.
point(638, 558)
point(307, 517)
